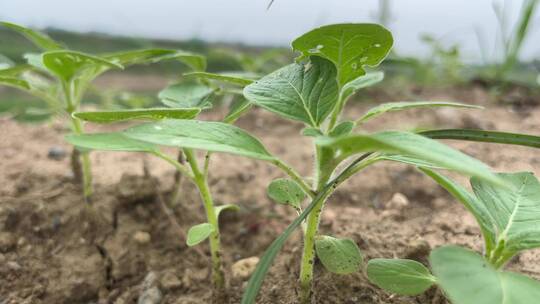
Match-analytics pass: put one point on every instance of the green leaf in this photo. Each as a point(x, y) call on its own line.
point(109, 142)
point(467, 278)
point(403, 277)
point(15, 83)
point(145, 114)
point(350, 47)
point(344, 128)
point(15, 71)
point(39, 39)
point(229, 78)
point(199, 233)
point(340, 256)
point(361, 82)
point(237, 109)
point(195, 61)
point(187, 95)
point(515, 211)
point(231, 207)
point(400, 106)
point(128, 58)
point(286, 191)
point(485, 136)
point(305, 92)
point(67, 64)
point(470, 202)
point(312, 132)
point(414, 146)
point(203, 135)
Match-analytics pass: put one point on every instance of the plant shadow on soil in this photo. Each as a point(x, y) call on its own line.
point(53, 249)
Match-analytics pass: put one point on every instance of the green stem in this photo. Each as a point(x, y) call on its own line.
point(201, 181)
point(295, 176)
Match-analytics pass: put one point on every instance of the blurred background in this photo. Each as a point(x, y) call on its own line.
point(437, 43)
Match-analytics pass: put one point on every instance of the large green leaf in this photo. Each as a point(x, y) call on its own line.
point(286, 191)
point(127, 58)
point(349, 46)
point(144, 114)
point(340, 256)
point(515, 211)
point(404, 277)
point(412, 145)
point(67, 64)
point(199, 233)
point(110, 142)
point(485, 136)
point(204, 135)
point(473, 205)
point(39, 39)
point(305, 92)
point(187, 95)
point(467, 278)
point(229, 78)
point(399, 106)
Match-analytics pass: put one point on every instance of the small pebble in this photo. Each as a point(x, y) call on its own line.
point(398, 201)
point(150, 296)
point(13, 265)
point(56, 153)
point(142, 237)
point(244, 268)
point(169, 281)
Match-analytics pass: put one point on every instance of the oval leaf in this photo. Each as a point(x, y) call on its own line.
point(199, 233)
point(231, 207)
point(467, 278)
point(361, 82)
point(195, 61)
point(400, 106)
point(146, 114)
point(415, 146)
point(67, 64)
point(203, 135)
point(187, 95)
point(340, 256)
point(404, 277)
point(349, 46)
point(228, 78)
point(286, 191)
point(41, 40)
point(109, 142)
point(305, 92)
point(344, 128)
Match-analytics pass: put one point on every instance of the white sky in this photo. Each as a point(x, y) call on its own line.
point(248, 21)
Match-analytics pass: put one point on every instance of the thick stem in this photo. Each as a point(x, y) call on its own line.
point(201, 181)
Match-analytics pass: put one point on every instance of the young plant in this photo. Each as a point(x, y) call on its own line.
point(60, 77)
point(508, 220)
point(315, 91)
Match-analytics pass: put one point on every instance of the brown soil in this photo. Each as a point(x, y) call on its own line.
point(55, 250)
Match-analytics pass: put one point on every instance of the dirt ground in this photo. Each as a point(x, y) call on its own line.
point(55, 250)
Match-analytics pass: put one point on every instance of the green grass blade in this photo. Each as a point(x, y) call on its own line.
point(485, 136)
point(139, 114)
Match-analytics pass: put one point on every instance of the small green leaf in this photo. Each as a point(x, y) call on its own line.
point(399, 106)
point(287, 192)
point(14, 71)
point(311, 132)
point(195, 61)
point(140, 114)
point(199, 233)
point(340, 256)
point(187, 95)
point(203, 135)
point(128, 58)
point(403, 277)
point(109, 142)
point(414, 146)
point(39, 39)
point(237, 109)
point(361, 82)
point(229, 78)
point(15, 83)
point(467, 278)
point(350, 47)
point(67, 64)
point(305, 92)
point(343, 129)
point(231, 207)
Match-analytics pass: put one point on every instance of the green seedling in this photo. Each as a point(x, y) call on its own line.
point(508, 220)
point(60, 77)
point(314, 90)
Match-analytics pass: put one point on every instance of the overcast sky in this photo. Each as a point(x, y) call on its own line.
point(248, 21)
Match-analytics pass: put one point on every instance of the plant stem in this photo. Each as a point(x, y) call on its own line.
point(201, 181)
point(295, 176)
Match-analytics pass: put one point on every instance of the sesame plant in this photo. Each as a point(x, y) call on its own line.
point(61, 77)
point(314, 90)
point(508, 220)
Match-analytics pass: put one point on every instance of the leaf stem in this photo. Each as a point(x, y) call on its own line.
point(295, 176)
